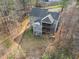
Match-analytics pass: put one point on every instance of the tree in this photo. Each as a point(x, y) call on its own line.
point(64, 2)
point(64, 37)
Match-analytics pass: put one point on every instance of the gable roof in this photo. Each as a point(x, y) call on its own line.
point(48, 19)
point(37, 12)
point(55, 15)
point(51, 17)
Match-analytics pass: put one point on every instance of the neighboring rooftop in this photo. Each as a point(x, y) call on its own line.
point(50, 0)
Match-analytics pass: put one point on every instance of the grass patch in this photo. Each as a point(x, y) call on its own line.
point(57, 6)
point(28, 33)
point(10, 56)
point(3, 38)
point(7, 43)
point(62, 54)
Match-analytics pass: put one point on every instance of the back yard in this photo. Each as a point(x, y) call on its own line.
point(33, 46)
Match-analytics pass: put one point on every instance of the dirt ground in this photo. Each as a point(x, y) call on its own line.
point(32, 46)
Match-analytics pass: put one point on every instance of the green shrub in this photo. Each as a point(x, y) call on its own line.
point(62, 54)
point(64, 3)
point(28, 33)
point(45, 57)
point(11, 57)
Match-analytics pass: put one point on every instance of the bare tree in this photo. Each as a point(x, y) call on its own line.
point(64, 38)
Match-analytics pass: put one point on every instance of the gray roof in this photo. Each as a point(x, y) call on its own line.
point(37, 12)
point(55, 15)
point(41, 13)
point(48, 19)
point(38, 20)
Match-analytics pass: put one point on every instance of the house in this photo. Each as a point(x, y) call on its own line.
point(44, 22)
point(49, 0)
